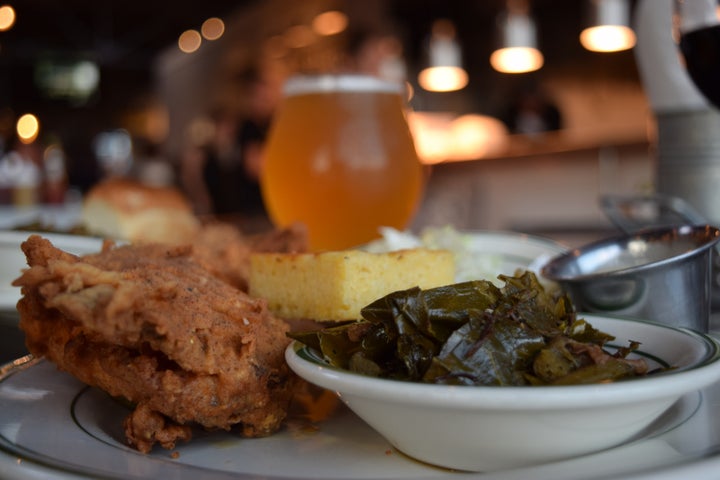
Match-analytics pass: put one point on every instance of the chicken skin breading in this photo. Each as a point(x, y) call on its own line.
point(149, 324)
point(225, 251)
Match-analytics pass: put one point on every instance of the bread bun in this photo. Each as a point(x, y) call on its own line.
point(124, 209)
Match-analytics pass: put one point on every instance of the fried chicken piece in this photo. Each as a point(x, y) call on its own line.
point(149, 324)
point(291, 239)
point(225, 251)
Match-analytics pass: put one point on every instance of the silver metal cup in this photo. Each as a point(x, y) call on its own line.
point(661, 275)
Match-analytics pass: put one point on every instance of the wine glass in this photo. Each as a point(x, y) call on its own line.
point(340, 159)
point(697, 25)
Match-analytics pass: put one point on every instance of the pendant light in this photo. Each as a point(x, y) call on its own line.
point(517, 52)
point(609, 29)
point(445, 72)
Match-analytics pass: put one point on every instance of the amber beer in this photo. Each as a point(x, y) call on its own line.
point(340, 158)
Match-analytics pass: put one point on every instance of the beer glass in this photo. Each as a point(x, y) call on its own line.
point(340, 159)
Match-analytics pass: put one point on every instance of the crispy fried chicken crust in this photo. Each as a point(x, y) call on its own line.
point(149, 324)
point(224, 250)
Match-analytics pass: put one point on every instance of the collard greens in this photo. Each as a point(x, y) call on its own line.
point(475, 333)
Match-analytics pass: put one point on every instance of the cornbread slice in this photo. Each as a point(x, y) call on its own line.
point(334, 286)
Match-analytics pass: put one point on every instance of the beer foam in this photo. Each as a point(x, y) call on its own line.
point(302, 84)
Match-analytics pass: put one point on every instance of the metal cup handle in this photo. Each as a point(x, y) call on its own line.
point(633, 213)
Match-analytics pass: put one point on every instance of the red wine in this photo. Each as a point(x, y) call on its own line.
point(701, 49)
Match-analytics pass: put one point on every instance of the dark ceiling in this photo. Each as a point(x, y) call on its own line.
point(119, 33)
point(124, 37)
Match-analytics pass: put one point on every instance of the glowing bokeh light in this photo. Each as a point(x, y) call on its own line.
point(212, 28)
point(608, 38)
point(517, 59)
point(331, 22)
point(440, 137)
point(189, 41)
point(476, 136)
point(443, 78)
point(27, 128)
point(7, 17)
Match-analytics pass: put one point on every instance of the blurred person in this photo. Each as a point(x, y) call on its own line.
point(83, 169)
point(209, 163)
point(262, 99)
point(532, 112)
point(221, 173)
point(150, 166)
point(55, 174)
point(375, 52)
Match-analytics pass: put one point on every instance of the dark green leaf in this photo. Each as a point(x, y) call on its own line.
point(488, 350)
point(474, 333)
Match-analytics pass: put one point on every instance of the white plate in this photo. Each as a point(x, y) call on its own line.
point(479, 254)
point(508, 251)
point(51, 425)
point(60, 218)
point(12, 258)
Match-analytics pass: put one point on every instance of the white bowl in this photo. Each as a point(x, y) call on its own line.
point(492, 428)
point(13, 261)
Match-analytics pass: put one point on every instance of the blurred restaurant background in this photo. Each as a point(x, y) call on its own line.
point(96, 89)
